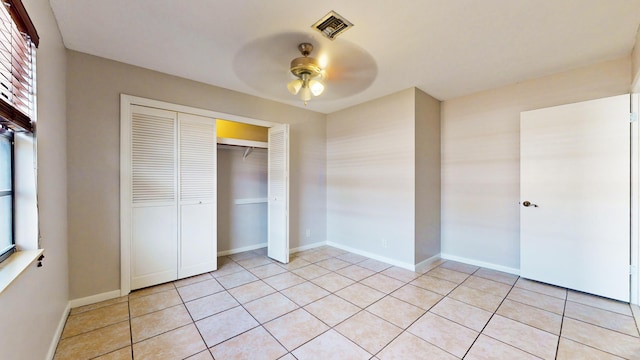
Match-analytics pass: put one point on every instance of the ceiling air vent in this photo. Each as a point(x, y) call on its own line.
point(332, 25)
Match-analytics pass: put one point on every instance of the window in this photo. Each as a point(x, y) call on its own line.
point(18, 41)
point(7, 244)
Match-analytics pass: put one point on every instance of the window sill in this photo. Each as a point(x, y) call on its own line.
point(15, 265)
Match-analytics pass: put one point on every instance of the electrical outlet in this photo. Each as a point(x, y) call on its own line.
point(308, 233)
point(384, 243)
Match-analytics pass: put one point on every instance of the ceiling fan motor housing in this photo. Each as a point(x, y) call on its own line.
point(305, 65)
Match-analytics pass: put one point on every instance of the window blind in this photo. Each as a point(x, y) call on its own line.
point(18, 40)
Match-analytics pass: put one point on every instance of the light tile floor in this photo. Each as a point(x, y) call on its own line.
point(330, 304)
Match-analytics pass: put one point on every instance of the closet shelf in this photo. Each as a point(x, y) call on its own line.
point(241, 142)
point(250, 201)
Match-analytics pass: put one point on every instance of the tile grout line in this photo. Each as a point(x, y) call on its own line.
point(334, 294)
point(428, 310)
point(588, 323)
point(330, 293)
point(193, 322)
point(183, 303)
point(590, 346)
point(130, 326)
point(603, 309)
point(564, 310)
point(279, 292)
point(256, 320)
point(563, 315)
point(302, 308)
point(487, 323)
point(407, 331)
point(495, 312)
point(503, 300)
point(599, 326)
point(240, 304)
point(322, 258)
point(358, 312)
point(635, 318)
point(490, 317)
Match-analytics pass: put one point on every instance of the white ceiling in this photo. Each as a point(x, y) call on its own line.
point(447, 48)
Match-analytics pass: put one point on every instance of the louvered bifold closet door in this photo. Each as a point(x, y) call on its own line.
point(153, 196)
point(278, 197)
point(197, 182)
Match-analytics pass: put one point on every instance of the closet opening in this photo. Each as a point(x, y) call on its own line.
point(242, 186)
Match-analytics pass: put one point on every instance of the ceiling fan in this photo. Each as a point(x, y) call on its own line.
point(265, 64)
point(309, 74)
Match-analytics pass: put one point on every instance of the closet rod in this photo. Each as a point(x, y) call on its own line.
point(240, 142)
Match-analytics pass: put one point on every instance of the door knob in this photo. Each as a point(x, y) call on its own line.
point(528, 203)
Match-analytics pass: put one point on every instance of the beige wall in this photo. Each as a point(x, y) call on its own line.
point(371, 177)
point(481, 151)
point(32, 307)
point(93, 89)
point(427, 169)
point(635, 64)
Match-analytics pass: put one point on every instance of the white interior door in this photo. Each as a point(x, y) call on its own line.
point(197, 249)
point(575, 179)
point(278, 193)
point(152, 201)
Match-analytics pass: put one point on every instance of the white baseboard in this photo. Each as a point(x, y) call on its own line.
point(94, 298)
point(58, 334)
point(426, 263)
point(242, 249)
point(483, 264)
point(384, 259)
point(264, 245)
point(307, 247)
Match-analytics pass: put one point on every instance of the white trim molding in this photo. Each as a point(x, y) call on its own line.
point(135, 100)
point(634, 290)
point(307, 247)
point(58, 334)
point(94, 298)
point(483, 264)
point(429, 263)
point(15, 265)
point(373, 256)
point(242, 249)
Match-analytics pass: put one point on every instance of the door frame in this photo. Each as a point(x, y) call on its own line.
point(635, 199)
point(126, 102)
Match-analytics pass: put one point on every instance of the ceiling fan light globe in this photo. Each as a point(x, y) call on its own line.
point(294, 86)
point(305, 94)
point(316, 87)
